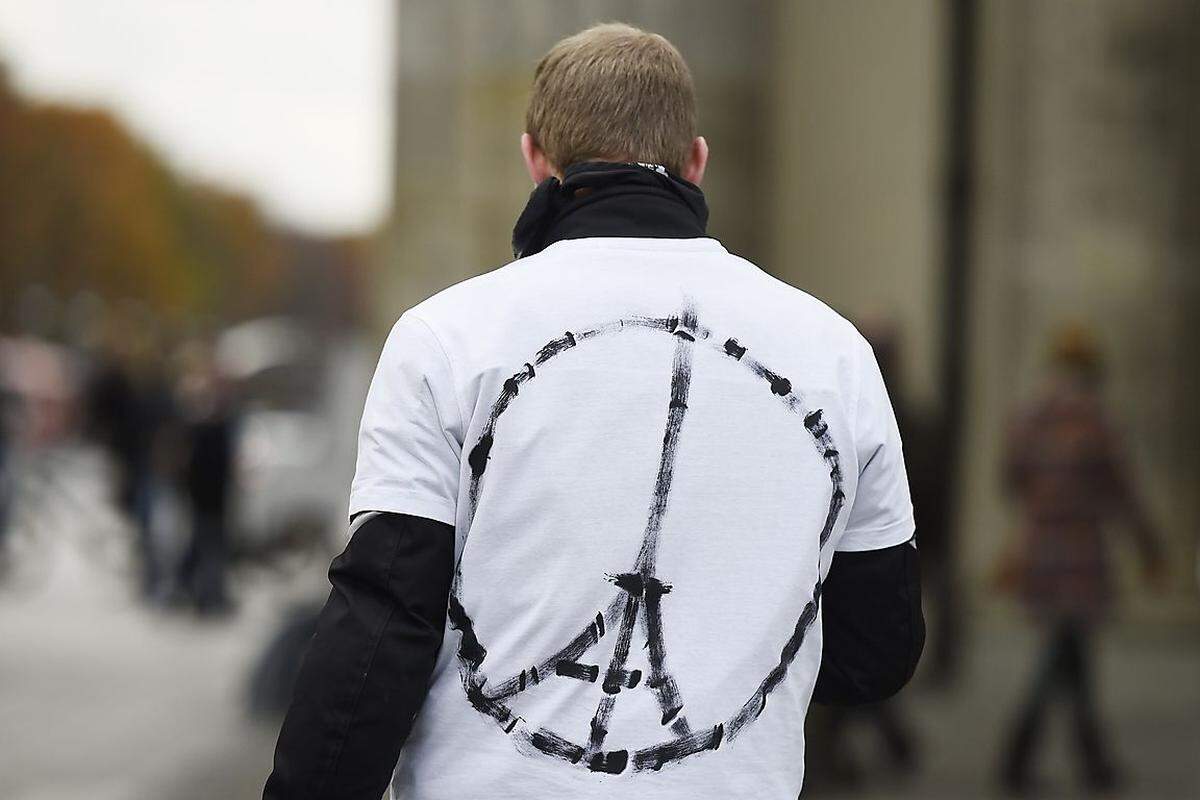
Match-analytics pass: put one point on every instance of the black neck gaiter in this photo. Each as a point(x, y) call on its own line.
point(597, 198)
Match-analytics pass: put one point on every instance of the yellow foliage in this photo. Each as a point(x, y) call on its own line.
point(85, 205)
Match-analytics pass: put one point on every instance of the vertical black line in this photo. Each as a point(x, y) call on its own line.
point(620, 655)
point(681, 378)
point(662, 683)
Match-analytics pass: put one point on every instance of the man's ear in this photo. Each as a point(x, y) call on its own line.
point(697, 160)
point(536, 163)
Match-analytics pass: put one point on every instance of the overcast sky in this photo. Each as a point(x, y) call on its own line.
point(287, 100)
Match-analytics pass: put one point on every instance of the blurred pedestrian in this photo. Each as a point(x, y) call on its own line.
point(127, 408)
point(207, 478)
point(927, 448)
point(1065, 468)
point(111, 420)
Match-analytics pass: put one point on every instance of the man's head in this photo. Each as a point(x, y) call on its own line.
point(613, 93)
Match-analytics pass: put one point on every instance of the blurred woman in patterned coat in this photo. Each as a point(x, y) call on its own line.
point(1066, 469)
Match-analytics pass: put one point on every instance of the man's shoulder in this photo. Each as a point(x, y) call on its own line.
point(469, 300)
point(786, 299)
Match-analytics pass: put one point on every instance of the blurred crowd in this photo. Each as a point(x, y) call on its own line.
point(178, 428)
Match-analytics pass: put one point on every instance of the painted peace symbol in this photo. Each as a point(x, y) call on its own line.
point(638, 592)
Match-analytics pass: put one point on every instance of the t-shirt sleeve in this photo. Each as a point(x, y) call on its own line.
point(410, 440)
point(882, 514)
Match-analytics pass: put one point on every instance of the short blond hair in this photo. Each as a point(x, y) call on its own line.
point(613, 93)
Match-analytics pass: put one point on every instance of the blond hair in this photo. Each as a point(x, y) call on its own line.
point(613, 93)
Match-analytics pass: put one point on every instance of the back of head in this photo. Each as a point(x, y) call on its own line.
point(1074, 351)
point(613, 93)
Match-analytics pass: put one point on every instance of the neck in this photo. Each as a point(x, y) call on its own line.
point(610, 199)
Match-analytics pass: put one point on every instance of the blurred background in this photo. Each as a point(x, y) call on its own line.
point(210, 213)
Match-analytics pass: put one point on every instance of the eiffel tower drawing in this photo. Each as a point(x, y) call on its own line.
point(639, 592)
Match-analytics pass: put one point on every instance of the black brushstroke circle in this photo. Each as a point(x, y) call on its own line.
point(471, 652)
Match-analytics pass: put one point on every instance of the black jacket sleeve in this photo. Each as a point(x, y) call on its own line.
point(368, 666)
point(873, 627)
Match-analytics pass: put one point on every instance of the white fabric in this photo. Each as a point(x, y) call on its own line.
point(567, 491)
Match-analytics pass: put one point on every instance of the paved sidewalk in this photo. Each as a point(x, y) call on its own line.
point(103, 698)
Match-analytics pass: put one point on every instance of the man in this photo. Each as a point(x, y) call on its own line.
point(599, 496)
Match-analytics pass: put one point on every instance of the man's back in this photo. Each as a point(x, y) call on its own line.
point(649, 450)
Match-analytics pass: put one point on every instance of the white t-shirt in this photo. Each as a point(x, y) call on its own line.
point(650, 450)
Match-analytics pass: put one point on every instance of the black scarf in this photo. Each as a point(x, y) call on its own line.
point(641, 200)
